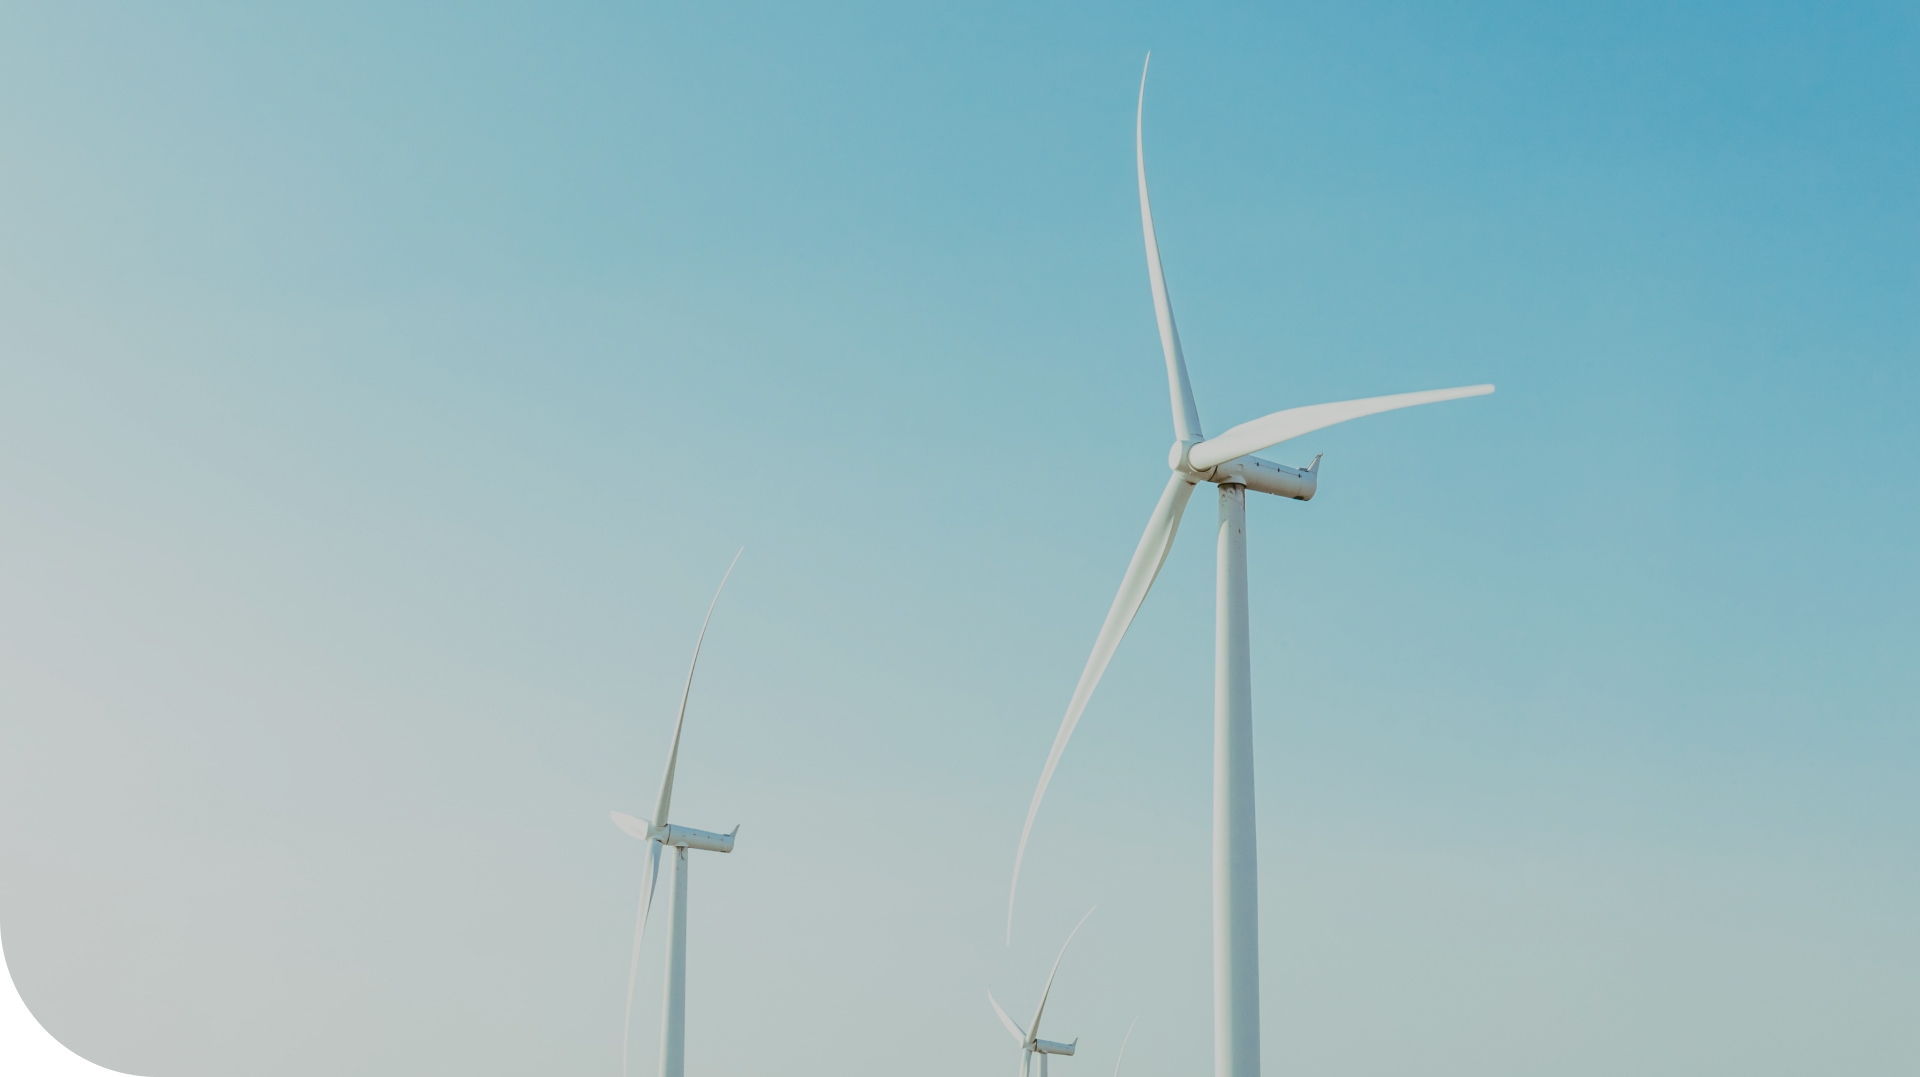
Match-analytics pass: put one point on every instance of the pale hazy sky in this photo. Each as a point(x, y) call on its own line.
point(384, 387)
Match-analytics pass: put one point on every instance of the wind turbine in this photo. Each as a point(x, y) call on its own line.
point(1225, 461)
point(1030, 1042)
point(660, 836)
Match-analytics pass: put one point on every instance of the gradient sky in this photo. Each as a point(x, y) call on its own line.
point(384, 388)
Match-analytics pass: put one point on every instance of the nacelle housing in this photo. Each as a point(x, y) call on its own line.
point(686, 837)
point(1268, 477)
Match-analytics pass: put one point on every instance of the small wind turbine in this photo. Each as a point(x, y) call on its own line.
point(1225, 461)
point(1029, 1038)
point(660, 836)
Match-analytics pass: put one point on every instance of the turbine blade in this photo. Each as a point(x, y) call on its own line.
point(1056, 971)
point(1186, 414)
point(639, 932)
point(1293, 422)
point(673, 754)
point(1141, 572)
point(1005, 1020)
point(637, 827)
point(1123, 1046)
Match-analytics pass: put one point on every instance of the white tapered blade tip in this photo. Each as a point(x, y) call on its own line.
point(639, 828)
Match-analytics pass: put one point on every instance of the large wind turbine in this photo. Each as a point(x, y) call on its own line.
point(1029, 1038)
point(660, 836)
point(1223, 460)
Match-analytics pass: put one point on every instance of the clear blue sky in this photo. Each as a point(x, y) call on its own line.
point(383, 389)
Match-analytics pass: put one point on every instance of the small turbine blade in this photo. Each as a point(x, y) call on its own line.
point(1005, 1020)
point(628, 824)
point(1285, 425)
point(679, 723)
point(639, 932)
point(1186, 414)
point(1056, 971)
point(1162, 526)
point(1123, 1046)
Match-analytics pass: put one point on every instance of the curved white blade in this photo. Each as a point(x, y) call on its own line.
point(1056, 971)
point(1123, 1046)
point(1293, 422)
point(639, 932)
point(637, 827)
point(1141, 572)
point(1186, 414)
point(1005, 1020)
point(673, 754)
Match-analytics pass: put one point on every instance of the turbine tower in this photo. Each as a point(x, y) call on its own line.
point(1029, 1038)
point(1226, 461)
point(660, 836)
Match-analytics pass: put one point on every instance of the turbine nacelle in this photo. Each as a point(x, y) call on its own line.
point(1048, 1047)
point(1253, 473)
point(680, 837)
point(686, 837)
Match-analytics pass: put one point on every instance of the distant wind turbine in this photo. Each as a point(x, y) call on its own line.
point(1029, 1038)
point(1223, 460)
point(660, 836)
